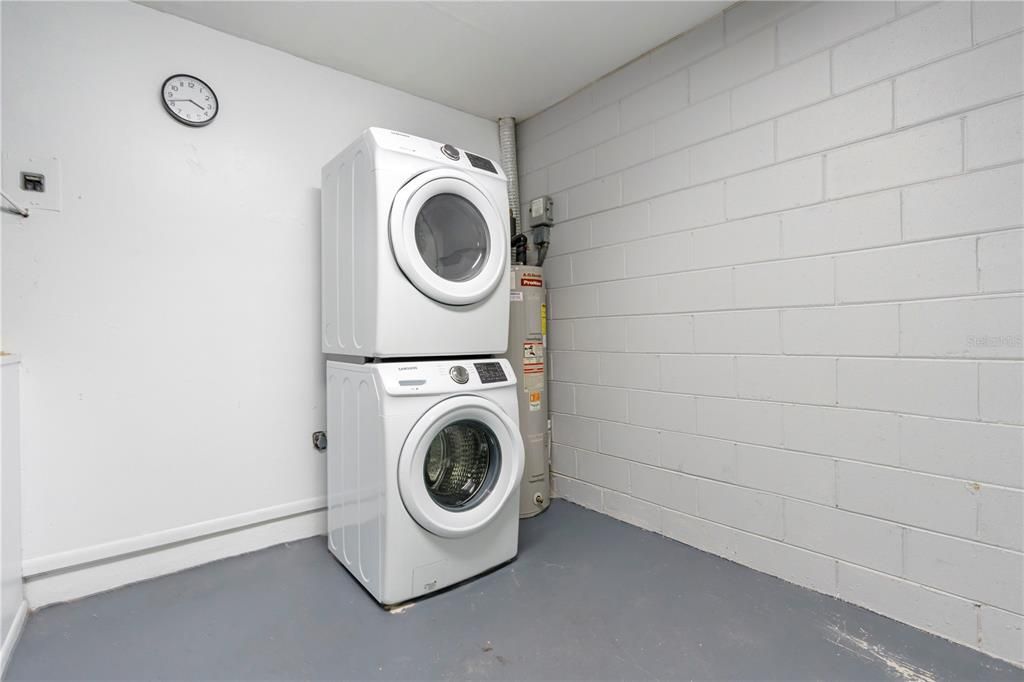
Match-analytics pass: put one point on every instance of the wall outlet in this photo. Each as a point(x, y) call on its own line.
point(33, 181)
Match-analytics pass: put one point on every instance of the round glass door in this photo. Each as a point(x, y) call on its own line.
point(452, 238)
point(460, 464)
point(448, 237)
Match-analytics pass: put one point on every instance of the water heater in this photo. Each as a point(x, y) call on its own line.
point(527, 332)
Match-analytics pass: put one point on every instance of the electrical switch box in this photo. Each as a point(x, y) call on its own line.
point(541, 212)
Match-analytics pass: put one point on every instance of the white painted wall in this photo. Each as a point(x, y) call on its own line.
point(785, 300)
point(168, 317)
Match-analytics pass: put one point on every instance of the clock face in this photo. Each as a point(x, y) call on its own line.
point(189, 100)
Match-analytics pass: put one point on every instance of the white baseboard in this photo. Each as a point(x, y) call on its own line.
point(77, 581)
point(140, 543)
point(10, 638)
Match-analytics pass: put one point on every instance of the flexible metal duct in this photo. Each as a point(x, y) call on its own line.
point(509, 164)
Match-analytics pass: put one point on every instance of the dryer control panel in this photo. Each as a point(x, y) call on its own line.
point(444, 153)
point(434, 377)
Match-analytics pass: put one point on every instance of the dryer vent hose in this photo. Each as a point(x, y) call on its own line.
point(510, 164)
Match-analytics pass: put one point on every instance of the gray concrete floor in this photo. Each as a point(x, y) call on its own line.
point(588, 598)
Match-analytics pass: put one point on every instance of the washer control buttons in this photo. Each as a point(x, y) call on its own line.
point(451, 152)
point(490, 372)
point(459, 374)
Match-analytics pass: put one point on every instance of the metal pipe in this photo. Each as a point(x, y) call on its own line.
point(509, 164)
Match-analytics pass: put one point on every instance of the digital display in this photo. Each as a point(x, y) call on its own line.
point(481, 163)
point(490, 372)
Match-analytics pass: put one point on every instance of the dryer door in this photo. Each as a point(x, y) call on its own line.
point(448, 237)
point(460, 464)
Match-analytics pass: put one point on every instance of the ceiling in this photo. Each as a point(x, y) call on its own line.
point(486, 58)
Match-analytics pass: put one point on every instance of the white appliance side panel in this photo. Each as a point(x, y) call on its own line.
point(355, 474)
point(330, 188)
point(369, 484)
point(348, 250)
point(361, 285)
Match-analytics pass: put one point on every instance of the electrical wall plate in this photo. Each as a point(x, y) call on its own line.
point(14, 165)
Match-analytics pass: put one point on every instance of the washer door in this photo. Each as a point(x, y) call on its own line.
point(448, 237)
point(459, 465)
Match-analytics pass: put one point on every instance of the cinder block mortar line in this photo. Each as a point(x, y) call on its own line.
point(786, 259)
point(894, 129)
point(797, 356)
point(792, 356)
point(903, 528)
point(788, 402)
point(778, 65)
point(844, 304)
point(977, 381)
point(888, 188)
point(895, 188)
point(904, 579)
point(916, 8)
point(791, 450)
point(836, 563)
point(821, 306)
point(971, 21)
point(899, 328)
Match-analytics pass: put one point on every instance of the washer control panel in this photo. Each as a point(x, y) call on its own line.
point(490, 372)
point(434, 377)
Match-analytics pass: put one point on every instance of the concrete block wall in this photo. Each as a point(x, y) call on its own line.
point(785, 300)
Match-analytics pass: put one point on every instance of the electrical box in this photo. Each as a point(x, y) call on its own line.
point(541, 212)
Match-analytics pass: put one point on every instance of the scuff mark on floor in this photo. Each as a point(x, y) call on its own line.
point(897, 666)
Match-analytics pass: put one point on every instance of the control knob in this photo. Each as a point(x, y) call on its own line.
point(451, 152)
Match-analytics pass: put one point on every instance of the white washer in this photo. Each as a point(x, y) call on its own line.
point(424, 460)
point(415, 244)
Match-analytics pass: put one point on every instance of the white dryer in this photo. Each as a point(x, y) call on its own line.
point(415, 250)
point(424, 460)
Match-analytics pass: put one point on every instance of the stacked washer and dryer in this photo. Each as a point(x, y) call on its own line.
point(424, 455)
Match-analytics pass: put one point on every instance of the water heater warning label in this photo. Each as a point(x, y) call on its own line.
point(533, 367)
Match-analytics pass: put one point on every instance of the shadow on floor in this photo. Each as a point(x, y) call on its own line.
point(588, 598)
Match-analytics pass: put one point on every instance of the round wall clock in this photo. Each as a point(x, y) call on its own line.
point(189, 100)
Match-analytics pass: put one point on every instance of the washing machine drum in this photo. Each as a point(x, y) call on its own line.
point(448, 238)
point(460, 465)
